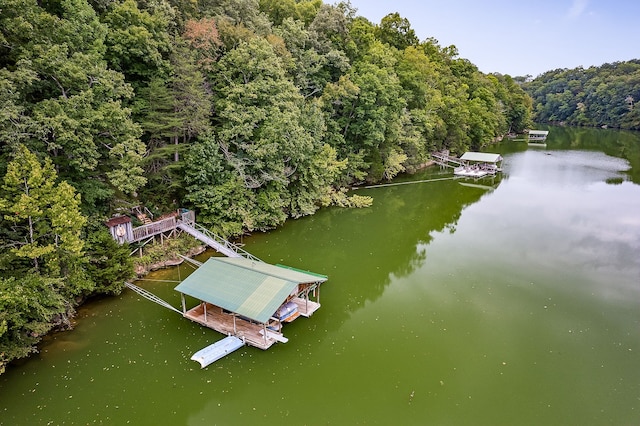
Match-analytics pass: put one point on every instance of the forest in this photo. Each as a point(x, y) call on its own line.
point(249, 112)
point(603, 96)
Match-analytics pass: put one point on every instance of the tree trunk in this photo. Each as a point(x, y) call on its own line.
point(176, 155)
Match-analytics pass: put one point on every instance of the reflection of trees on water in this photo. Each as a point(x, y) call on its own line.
point(362, 249)
point(616, 143)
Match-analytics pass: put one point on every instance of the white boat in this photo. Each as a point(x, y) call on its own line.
point(219, 349)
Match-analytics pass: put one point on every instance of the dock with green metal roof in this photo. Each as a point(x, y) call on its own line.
point(240, 297)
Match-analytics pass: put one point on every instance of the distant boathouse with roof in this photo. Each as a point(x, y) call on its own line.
point(470, 164)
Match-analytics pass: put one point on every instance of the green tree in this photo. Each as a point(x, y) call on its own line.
point(28, 308)
point(396, 31)
point(44, 214)
point(15, 123)
point(422, 125)
point(110, 264)
point(221, 198)
point(138, 42)
point(369, 119)
point(258, 113)
point(242, 13)
point(175, 112)
point(312, 184)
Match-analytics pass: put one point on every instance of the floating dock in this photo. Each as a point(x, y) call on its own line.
point(239, 295)
point(470, 172)
point(478, 164)
point(217, 350)
point(249, 299)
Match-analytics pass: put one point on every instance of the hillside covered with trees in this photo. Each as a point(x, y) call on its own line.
point(249, 112)
point(596, 96)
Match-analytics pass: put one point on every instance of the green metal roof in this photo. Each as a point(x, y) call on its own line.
point(249, 288)
point(484, 157)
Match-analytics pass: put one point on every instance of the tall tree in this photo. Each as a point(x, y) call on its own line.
point(396, 31)
point(175, 111)
point(43, 215)
point(138, 42)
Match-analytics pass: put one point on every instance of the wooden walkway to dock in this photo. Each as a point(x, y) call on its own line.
point(214, 241)
point(182, 220)
point(445, 160)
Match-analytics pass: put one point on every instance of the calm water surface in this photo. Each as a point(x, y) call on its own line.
point(512, 301)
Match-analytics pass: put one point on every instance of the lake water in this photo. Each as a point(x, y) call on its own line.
point(450, 302)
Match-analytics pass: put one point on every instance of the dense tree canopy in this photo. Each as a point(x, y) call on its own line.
point(248, 111)
point(597, 96)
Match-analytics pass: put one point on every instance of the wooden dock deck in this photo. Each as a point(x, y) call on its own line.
point(223, 322)
point(306, 307)
point(473, 172)
point(252, 333)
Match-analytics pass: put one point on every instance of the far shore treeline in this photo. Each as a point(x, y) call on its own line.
point(247, 111)
point(603, 96)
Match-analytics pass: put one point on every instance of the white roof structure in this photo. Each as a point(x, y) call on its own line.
point(539, 132)
point(481, 157)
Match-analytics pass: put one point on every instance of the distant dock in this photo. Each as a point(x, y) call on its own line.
point(471, 164)
point(538, 137)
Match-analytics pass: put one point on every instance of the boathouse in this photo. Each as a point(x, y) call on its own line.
point(538, 136)
point(249, 299)
point(479, 164)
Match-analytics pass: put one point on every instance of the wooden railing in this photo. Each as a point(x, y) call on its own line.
point(216, 242)
point(444, 159)
point(188, 217)
point(154, 228)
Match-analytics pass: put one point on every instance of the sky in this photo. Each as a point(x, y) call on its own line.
point(522, 37)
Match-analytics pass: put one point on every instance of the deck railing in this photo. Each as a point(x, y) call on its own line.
point(186, 220)
point(445, 160)
point(223, 243)
point(188, 217)
point(154, 228)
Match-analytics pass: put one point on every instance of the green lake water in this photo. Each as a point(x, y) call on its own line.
point(512, 301)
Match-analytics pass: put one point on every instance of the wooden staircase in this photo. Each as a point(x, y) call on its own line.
point(143, 214)
point(144, 218)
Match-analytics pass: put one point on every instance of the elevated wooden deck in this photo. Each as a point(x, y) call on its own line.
point(306, 307)
point(183, 220)
point(252, 333)
point(154, 228)
point(223, 322)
